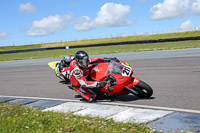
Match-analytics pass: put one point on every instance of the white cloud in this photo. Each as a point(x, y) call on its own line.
point(84, 23)
point(196, 7)
point(49, 25)
point(170, 9)
point(110, 15)
point(4, 35)
point(28, 7)
point(187, 26)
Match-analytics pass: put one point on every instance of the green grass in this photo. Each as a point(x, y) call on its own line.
point(106, 40)
point(4, 48)
point(102, 50)
point(20, 119)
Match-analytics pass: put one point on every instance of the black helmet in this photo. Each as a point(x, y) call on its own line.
point(82, 58)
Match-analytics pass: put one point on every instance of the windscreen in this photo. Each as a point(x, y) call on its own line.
point(114, 68)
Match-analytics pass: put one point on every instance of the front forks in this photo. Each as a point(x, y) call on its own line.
point(132, 91)
point(130, 87)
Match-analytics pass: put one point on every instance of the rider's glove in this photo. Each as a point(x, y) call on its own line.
point(101, 84)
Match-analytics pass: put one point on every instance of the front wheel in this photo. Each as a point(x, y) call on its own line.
point(143, 90)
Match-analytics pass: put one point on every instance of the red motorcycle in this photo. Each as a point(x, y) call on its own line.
point(120, 80)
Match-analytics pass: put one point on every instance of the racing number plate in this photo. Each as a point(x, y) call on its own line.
point(126, 71)
point(66, 73)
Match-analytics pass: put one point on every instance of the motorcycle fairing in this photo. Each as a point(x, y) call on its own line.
point(53, 64)
point(66, 72)
point(126, 72)
point(122, 72)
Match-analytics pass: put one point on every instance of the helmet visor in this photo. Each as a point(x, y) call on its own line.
point(83, 62)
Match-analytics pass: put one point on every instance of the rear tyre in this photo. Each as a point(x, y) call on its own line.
point(143, 89)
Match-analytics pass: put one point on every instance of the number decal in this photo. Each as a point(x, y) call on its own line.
point(126, 71)
point(66, 74)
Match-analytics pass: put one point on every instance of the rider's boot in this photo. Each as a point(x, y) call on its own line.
point(86, 94)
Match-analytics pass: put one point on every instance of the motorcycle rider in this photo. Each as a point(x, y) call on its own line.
point(65, 62)
point(79, 70)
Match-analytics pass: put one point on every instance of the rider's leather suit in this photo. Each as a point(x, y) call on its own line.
point(78, 78)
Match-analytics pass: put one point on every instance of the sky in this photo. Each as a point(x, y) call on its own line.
point(24, 22)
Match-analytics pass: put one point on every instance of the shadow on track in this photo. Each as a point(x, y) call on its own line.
point(123, 98)
point(106, 98)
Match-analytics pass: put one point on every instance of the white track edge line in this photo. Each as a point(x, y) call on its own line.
point(116, 104)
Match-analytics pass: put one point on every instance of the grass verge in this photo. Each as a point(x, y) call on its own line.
point(102, 50)
point(20, 119)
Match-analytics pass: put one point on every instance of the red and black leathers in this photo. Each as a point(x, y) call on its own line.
point(78, 78)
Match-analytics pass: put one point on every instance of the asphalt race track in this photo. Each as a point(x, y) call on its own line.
point(174, 76)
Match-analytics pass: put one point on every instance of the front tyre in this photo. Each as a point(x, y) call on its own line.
point(143, 90)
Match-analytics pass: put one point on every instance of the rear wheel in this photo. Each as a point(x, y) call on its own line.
point(143, 90)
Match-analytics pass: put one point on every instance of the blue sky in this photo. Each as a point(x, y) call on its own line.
point(31, 22)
